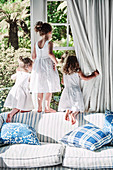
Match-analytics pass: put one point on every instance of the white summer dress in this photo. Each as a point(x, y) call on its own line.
point(19, 96)
point(44, 79)
point(71, 97)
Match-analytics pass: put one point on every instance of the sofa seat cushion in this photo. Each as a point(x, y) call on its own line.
point(52, 127)
point(24, 156)
point(82, 158)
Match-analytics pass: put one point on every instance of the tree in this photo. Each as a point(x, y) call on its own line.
point(12, 15)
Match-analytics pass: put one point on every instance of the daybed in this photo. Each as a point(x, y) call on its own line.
point(51, 154)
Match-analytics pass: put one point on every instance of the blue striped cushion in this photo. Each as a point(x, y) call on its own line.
point(49, 127)
point(87, 136)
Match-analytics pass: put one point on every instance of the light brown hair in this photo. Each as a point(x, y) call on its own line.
point(42, 28)
point(25, 62)
point(71, 65)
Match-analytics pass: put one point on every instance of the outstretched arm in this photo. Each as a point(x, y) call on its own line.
point(62, 81)
point(34, 53)
point(83, 77)
point(51, 55)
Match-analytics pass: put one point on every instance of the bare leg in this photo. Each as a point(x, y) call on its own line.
point(47, 106)
point(67, 115)
point(73, 120)
point(73, 115)
point(40, 98)
point(10, 115)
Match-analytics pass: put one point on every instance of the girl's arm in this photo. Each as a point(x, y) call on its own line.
point(51, 55)
point(62, 81)
point(34, 53)
point(83, 77)
point(13, 77)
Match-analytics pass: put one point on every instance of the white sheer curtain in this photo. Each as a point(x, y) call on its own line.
point(92, 28)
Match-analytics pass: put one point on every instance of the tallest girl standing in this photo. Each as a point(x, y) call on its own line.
point(44, 76)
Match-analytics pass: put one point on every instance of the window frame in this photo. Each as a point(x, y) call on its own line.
point(60, 24)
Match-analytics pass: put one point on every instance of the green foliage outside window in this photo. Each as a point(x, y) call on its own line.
point(55, 15)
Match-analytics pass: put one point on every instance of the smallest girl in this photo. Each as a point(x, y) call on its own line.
point(71, 98)
point(19, 97)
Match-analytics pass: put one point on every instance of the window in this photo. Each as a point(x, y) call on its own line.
point(57, 16)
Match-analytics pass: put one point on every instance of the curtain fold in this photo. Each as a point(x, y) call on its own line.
point(92, 28)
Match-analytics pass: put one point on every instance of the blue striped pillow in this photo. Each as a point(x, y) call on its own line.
point(87, 136)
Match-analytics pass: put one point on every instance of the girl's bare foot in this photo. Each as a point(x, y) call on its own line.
point(67, 115)
point(9, 118)
point(50, 110)
point(10, 115)
point(22, 111)
point(73, 115)
point(73, 120)
point(39, 110)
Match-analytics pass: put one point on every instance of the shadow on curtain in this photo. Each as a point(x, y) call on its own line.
point(92, 28)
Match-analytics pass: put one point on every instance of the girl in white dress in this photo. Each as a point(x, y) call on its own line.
point(44, 76)
point(19, 97)
point(71, 99)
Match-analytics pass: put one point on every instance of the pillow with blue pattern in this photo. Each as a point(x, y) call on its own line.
point(13, 133)
point(108, 123)
point(1, 121)
point(87, 136)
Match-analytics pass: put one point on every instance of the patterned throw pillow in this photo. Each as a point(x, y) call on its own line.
point(108, 123)
point(87, 136)
point(13, 133)
point(1, 121)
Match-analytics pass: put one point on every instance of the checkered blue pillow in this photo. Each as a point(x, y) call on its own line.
point(108, 123)
point(87, 136)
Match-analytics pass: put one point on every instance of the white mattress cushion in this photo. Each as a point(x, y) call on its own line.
point(23, 155)
point(83, 158)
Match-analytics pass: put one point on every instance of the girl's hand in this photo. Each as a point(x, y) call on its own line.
point(54, 66)
point(96, 73)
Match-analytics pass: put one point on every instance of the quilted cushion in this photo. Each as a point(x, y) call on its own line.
point(12, 133)
point(29, 156)
point(75, 157)
point(87, 136)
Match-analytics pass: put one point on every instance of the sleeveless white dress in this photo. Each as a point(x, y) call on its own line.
point(71, 97)
point(44, 79)
point(19, 96)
